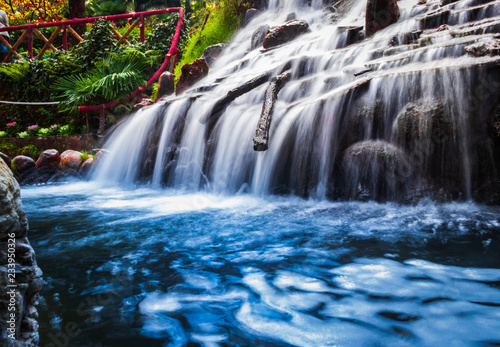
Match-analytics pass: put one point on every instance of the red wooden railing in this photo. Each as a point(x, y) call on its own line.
point(65, 26)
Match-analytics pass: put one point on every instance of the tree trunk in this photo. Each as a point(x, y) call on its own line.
point(77, 10)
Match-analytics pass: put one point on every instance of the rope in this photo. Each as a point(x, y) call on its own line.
point(29, 103)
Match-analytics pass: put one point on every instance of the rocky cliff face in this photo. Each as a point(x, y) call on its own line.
point(20, 277)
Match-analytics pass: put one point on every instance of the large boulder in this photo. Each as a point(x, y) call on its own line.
point(70, 160)
point(6, 158)
point(19, 323)
point(190, 74)
point(376, 170)
point(166, 84)
point(285, 33)
point(49, 159)
point(211, 53)
point(22, 164)
point(380, 14)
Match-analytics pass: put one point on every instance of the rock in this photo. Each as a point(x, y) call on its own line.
point(428, 130)
point(143, 103)
point(5, 158)
point(353, 35)
point(375, 170)
point(380, 14)
point(443, 27)
point(258, 36)
point(22, 164)
point(87, 166)
point(28, 275)
point(493, 125)
point(65, 176)
point(211, 53)
point(490, 47)
point(285, 33)
point(100, 154)
point(249, 15)
point(291, 16)
point(48, 159)
point(190, 74)
point(166, 84)
point(70, 160)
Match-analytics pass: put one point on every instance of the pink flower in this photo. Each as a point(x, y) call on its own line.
point(32, 127)
point(11, 124)
point(54, 126)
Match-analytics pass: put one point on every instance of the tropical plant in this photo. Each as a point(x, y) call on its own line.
point(113, 78)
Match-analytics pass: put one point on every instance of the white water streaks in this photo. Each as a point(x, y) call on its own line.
point(337, 96)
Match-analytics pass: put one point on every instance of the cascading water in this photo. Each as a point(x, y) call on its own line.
point(392, 117)
point(402, 112)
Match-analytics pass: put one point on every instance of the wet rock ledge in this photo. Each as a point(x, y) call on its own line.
point(19, 287)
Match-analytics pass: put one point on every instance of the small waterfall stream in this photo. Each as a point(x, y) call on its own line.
point(398, 115)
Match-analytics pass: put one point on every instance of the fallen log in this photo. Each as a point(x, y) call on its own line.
point(261, 138)
point(222, 103)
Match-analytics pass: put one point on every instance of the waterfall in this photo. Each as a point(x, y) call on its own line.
point(391, 117)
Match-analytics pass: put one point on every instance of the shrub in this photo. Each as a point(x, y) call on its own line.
point(32, 130)
point(12, 129)
point(3, 134)
point(44, 132)
point(23, 135)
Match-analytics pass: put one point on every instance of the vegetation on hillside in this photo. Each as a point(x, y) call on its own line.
point(98, 69)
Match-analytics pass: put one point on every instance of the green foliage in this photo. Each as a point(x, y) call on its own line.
point(15, 71)
point(161, 36)
point(9, 148)
point(31, 151)
point(222, 22)
point(23, 135)
point(44, 132)
point(96, 44)
point(98, 8)
point(156, 88)
point(84, 156)
point(3, 134)
point(66, 130)
point(112, 79)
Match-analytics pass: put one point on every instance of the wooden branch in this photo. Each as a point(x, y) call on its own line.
point(74, 33)
point(48, 43)
point(40, 35)
point(16, 45)
point(261, 138)
point(150, 19)
point(119, 35)
point(222, 103)
point(4, 41)
point(129, 30)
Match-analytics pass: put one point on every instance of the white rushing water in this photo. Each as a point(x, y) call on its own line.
point(328, 124)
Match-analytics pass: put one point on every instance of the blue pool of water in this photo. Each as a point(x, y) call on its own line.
point(145, 267)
